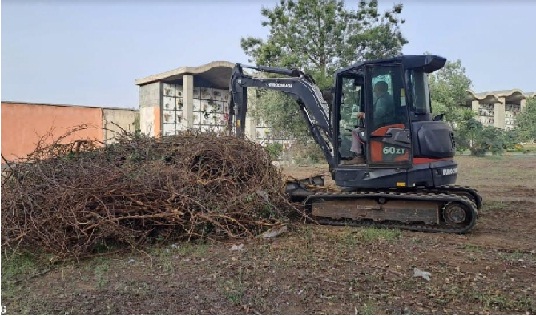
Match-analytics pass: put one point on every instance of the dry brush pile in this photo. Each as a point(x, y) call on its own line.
point(71, 203)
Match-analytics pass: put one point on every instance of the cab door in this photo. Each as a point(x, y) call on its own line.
point(387, 125)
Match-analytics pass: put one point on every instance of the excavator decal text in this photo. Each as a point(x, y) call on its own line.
point(450, 171)
point(280, 85)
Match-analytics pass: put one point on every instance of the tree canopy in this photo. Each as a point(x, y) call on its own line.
point(319, 37)
point(526, 121)
point(448, 90)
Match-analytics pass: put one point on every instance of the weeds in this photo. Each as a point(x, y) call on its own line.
point(516, 256)
point(368, 308)
point(16, 267)
point(472, 248)
point(494, 205)
point(234, 289)
point(100, 272)
point(377, 234)
point(499, 301)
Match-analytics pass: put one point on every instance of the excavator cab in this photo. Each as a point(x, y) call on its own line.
point(403, 145)
point(378, 91)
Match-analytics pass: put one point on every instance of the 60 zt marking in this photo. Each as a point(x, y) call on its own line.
point(393, 151)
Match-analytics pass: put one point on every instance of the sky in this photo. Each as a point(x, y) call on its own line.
point(89, 52)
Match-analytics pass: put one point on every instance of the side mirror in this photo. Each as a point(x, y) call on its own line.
point(438, 117)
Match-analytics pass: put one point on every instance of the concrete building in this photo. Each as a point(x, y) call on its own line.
point(24, 124)
point(187, 97)
point(498, 108)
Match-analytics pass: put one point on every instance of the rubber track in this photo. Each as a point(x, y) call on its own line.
point(441, 198)
point(453, 189)
point(445, 189)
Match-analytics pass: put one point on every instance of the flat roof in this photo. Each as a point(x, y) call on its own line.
point(71, 105)
point(217, 73)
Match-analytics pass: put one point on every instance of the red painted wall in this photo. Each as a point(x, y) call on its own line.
point(23, 124)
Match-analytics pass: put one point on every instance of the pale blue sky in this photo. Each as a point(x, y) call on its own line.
point(90, 52)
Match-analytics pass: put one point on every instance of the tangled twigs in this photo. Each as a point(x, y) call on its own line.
point(192, 185)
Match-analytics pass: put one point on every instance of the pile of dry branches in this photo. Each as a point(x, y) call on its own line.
point(193, 185)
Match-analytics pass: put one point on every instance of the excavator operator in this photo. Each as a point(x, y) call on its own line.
point(383, 103)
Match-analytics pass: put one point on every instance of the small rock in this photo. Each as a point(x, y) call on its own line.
point(275, 232)
point(238, 248)
point(420, 273)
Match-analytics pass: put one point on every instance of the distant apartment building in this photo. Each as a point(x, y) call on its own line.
point(498, 108)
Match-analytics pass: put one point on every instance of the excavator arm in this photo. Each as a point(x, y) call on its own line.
point(299, 85)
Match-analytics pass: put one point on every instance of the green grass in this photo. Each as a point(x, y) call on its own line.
point(377, 234)
point(195, 249)
point(100, 271)
point(368, 308)
point(493, 205)
point(16, 268)
point(499, 301)
point(19, 265)
point(516, 256)
point(234, 289)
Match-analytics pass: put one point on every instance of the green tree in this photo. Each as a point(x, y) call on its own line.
point(526, 121)
point(479, 139)
point(448, 89)
point(319, 37)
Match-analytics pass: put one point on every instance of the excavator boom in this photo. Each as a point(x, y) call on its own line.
point(300, 86)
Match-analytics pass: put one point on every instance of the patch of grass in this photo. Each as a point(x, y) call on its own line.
point(16, 267)
point(234, 289)
point(368, 308)
point(494, 205)
point(349, 238)
point(497, 301)
point(308, 243)
point(183, 249)
point(472, 248)
point(376, 234)
point(100, 271)
point(197, 249)
point(515, 256)
point(134, 287)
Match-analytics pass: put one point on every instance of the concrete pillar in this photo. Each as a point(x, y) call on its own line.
point(251, 128)
point(500, 113)
point(522, 105)
point(188, 100)
point(150, 111)
point(475, 105)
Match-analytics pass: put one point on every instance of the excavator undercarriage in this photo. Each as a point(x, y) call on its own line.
point(448, 209)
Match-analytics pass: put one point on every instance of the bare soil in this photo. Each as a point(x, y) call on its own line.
point(314, 269)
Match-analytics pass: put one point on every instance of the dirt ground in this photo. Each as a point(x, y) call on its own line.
point(314, 269)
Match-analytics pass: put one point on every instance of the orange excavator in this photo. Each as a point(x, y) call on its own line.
point(407, 179)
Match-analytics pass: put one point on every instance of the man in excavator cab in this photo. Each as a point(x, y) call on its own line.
point(383, 109)
point(406, 175)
